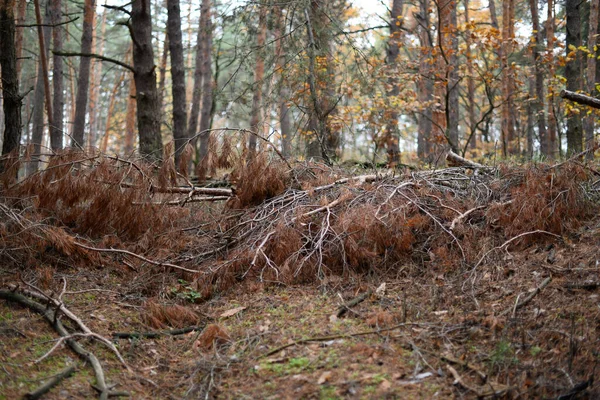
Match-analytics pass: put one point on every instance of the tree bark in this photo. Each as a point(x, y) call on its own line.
point(96, 80)
point(283, 95)
point(19, 38)
point(83, 79)
point(259, 72)
point(470, 82)
point(57, 127)
point(391, 133)
point(591, 73)
point(178, 76)
point(537, 105)
point(425, 85)
point(573, 74)
point(37, 119)
point(162, 74)
point(110, 112)
point(130, 119)
point(552, 149)
point(452, 106)
point(207, 80)
point(508, 119)
point(10, 82)
point(197, 92)
point(148, 109)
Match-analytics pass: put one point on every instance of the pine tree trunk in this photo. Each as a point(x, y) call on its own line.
point(259, 72)
point(508, 119)
point(425, 85)
point(111, 110)
point(178, 76)
point(83, 79)
point(591, 73)
point(148, 108)
point(10, 88)
point(19, 38)
point(197, 92)
point(537, 105)
point(162, 74)
point(207, 81)
point(37, 120)
point(130, 119)
point(470, 81)
point(96, 81)
point(57, 127)
point(573, 73)
point(452, 106)
point(392, 135)
point(283, 94)
point(552, 150)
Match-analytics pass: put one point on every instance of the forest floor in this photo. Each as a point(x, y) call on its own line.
point(518, 319)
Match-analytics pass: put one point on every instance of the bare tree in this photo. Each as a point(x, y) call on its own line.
point(573, 73)
point(425, 83)
point(259, 73)
point(56, 129)
point(537, 105)
point(588, 122)
point(207, 79)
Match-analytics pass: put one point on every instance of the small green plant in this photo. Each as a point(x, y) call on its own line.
point(186, 292)
point(299, 363)
point(535, 350)
point(503, 354)
point(328, 393)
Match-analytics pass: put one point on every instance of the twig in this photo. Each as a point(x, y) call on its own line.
point(333, 337)
point(456, 160)
point(357, 300)
point(463, 216)
point(129, 253)
point(588, 285)
point(52, 381)
point(156, 334)
point(528, 298)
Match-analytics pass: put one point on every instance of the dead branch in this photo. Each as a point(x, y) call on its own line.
point(52, 381)
point(455, 160)
point(580, 98)
point(495, 389)
point(463, 216)
point(355, 301)
point(129, 253)
point(527, 299)
point(156, 334)
point(588, 285)
point(49, 315)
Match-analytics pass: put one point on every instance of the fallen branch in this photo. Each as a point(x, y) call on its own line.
point(49, 315)
point(52, 381)
point(580, 98)
point(357, 300)
point(466, 365)
point(139, 257)
point(333, 337)
point(463, 216)
point(527, 299)
point(588, 285)
point(454, 159)
point(494, 390)
point(156, 334)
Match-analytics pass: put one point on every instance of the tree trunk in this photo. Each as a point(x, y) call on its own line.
point(130, 119)
point(470, 82)
point(37, 132)
point(207, 80)
point(391, 133)
point(96, 80)
point(197, 92)
point(111, 110)
point(56, 129)
point(551, 151)
point(591, 74)
point(259, 72)
point(83, 79)
point(452, 106)
point(283, 95)
point(508, 119)
point(425, 85)
point(19, 39)
point(178, 75)
point(573, 74)
point(532, 116)
point(148, 109)
point(10, 87)
point(537, 105)
point(162, 74)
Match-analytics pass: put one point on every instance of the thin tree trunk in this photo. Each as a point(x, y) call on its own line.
point(197, 92)
point(148, 109)
point(425, 85)
point(470, 82)
point(57, 127)
point(96, 80)
point(532, 117)
point(19, 38)
point(259, 72)
point(284, 112)
point(44, 56)
point(391, 133)
point(130, 118)
point(207, 81)
point(537, 106)
point(178, 76)
point(162, 73)
point(573, 74)
point(452, 106)
point(190, 55)
point(110, 112)
point(508, 127)
point(551, 151)
point(591, 74)
point(37, 132)
point(10, 82)
point(83, 79)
